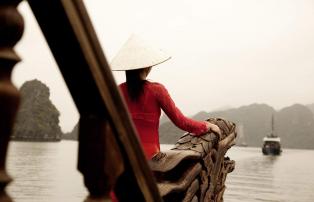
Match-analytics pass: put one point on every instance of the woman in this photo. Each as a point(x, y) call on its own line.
point(145, 99)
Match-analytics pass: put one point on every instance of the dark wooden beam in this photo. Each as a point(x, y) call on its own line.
point(74, 44)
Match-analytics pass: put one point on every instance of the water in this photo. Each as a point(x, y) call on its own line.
point(46, 172)
point(285, 178)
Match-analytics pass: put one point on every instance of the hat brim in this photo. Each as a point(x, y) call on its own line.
point(133, 68)
point(137, 54)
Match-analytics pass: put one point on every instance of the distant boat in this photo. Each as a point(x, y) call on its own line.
point(271, 145)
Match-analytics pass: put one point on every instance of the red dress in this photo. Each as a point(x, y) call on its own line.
point(146, 113)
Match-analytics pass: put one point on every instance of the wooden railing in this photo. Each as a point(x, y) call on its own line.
point(195, 169)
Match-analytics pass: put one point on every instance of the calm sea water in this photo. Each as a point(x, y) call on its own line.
point(46, 172)
point(285, 178)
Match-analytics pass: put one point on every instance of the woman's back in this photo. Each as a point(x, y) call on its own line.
point(145, 113)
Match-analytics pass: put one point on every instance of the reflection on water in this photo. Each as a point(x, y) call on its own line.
point(46, 172)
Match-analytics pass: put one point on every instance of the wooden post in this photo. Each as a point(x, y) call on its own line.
point(100, 160)
point(11, 30)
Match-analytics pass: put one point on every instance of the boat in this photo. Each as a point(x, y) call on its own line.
point(271, 143)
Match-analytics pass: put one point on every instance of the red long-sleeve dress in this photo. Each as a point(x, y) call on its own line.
point(146, 113)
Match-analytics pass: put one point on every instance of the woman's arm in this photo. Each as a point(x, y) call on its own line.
point(176, 116)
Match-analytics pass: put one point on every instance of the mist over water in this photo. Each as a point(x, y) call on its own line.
point(46, 172)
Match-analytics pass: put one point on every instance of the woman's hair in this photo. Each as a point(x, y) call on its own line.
point(135, 84)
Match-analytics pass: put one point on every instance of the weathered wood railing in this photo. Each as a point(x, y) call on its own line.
point(196, 168)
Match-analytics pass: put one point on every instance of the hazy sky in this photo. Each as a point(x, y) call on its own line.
point(225, 53)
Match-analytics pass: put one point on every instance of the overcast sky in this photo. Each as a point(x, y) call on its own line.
point(225, 53)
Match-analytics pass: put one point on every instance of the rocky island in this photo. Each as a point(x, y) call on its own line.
point(38, 118)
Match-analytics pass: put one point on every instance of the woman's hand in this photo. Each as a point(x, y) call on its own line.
point(213, 127)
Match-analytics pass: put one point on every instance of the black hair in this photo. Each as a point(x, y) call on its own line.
point(135, 85)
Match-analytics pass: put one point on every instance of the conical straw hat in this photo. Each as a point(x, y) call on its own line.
point(137, 54)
